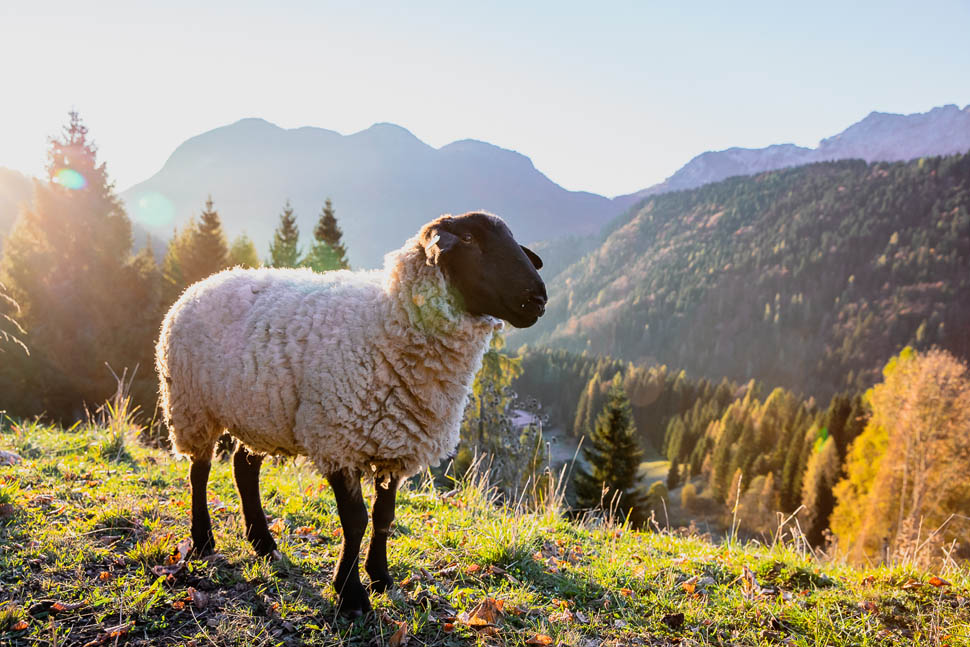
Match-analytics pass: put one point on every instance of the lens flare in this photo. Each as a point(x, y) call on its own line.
point(153, 210)
point(70, 179)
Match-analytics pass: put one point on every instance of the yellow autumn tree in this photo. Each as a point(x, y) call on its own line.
point(906, 474)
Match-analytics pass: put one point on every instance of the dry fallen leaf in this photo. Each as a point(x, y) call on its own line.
point(199, 599)
point(400, 637)
point(868, 605)
point(20, 625)
point(473, 568)
point(938, 581)
point(912, 583)
point(104, 576)
point(539, 639)
point(448, 627)
point(278, 526)
point(109, 633)
point(690, 585)
point(484, 616)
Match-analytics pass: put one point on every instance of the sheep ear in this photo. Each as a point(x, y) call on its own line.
point(536, 261)
point(441, 242)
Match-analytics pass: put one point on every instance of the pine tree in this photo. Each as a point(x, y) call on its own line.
point(211, 250)
point(673, 476)
point(242, 252)
point(68, 264)
point(197, 251)
point(175, 277)
point(821, 474)
point(612, 458)
point(284, 250)
point(327, 251)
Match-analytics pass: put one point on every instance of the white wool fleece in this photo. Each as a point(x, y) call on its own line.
point(367, 371)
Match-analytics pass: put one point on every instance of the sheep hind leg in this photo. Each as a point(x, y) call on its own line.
point(245, 470)
point(203, 543)
point(383, 515)
point(351, 596)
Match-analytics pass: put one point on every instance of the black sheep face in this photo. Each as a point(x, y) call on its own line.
point(490, 272)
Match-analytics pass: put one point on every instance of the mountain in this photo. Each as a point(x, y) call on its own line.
point(889, 137)
point(809, 278)
point(881, 136)
point(15, 188)
point(384, 183)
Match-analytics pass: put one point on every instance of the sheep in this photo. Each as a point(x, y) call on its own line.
point(365, 373)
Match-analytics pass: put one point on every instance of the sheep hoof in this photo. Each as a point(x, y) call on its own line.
point(381, 584)
point(265, 546)
point(203, 548)
point(276, 556)
point(353, 604)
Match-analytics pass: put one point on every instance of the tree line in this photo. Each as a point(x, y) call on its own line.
point(874, 474)
point(76, 296)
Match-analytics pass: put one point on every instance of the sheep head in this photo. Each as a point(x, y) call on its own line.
point(487, 270)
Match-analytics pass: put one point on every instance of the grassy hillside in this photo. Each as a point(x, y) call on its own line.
point(807, 278)
point(90, 532)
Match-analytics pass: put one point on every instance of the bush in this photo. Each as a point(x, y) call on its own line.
point(688, 496)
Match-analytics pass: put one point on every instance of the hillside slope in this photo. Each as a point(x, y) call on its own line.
point(91, 552)
point(384, 183)
point(807, 278)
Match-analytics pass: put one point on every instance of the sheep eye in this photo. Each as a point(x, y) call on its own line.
point(466, 238)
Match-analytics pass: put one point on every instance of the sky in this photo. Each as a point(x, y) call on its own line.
point(609, 97)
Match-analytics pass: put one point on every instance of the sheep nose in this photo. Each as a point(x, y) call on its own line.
point(537, 300)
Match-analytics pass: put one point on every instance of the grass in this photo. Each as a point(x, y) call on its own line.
point(89, 554)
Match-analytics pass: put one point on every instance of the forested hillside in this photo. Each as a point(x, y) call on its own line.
point(807, 278)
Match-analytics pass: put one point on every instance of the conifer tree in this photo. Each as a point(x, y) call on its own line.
point(284, 251)
point(242, 252)
point(327, 251)
point(612, 457)
point(211, 250)
point(673, 476)
point(197, 251)
point(68, 264)
point(174, 275)
point(821, 474)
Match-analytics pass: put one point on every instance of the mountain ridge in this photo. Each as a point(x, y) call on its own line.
point(879, 136)
point(384, 169)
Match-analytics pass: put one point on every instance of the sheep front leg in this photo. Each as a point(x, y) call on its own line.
point(351, 596)
point(203, 542)
point(383, 515)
